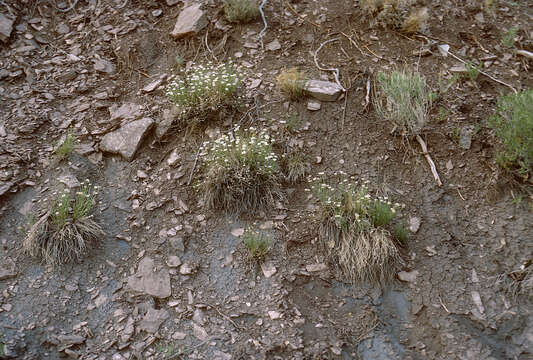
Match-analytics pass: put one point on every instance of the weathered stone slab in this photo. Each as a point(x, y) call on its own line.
point(126, 140)
point(191, 20)
point(323, 90)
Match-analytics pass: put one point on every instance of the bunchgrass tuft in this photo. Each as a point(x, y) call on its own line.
point(203, 90)
point(241, 11)
point(295, 165)
point(513, 126)
point(64, 150)
point(472, 70)
point(257, 243)
point(292, 83)
point(355, 229)
point(509, 36)
point(242, 172)
point(67, 230)
point(404, 99)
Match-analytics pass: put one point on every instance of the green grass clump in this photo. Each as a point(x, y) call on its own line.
point(257, 243)
point(64, 150)
point(67, 230)
point(472, 70)
point(404, 99)
point(509, 36)
point(356, 229)
point(513, 126)
point(241, 11)
point(295, 165)
point(242, 172)
point(203, 90)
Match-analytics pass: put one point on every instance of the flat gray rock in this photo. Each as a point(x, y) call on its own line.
point(153, 320)
point(323, 90)
point(126, 140)
point(149, 281)
point(7, 269)
point(6, 26)
point(125, 111)
point(313, 105)
point(191, 20)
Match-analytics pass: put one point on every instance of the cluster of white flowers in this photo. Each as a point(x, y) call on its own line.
point(64, 206)
point(250, 149)
point(204, 86)
point(349, 202)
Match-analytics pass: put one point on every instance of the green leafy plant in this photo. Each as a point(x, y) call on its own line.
point(242, 172)
point(257, 243)
point(292, 123)
point(401, 233)
point(204, 90)
point(472, 70)
point(513, 126)
point(64, 150)
point(355, 228)
point(404, 99)
point(67, 230)
point(292, 82)
point(241, 11)
point(509, 36)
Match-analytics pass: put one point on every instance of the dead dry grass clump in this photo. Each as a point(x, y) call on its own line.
point(67, 230)
point(242, 172)
point(292, 83)
point(396, 14)
point(295, 166)
point(356, 230)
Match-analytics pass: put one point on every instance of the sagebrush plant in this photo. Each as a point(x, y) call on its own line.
point(509, 36)
point(404, 98)
point(356, 228)
point(513, 125)
point(241, 11)
point(65, 149)
point(242, 171)
point(66, 230)
point(257, 243)
point(396, 14)
point(204, 89)
point(292, 82)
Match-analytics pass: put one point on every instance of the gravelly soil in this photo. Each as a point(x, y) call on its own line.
point(472, 234)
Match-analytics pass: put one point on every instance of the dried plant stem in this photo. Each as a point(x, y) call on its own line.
point(334, 70)
point(429, 160)
point(262, 33)
point(484, 73)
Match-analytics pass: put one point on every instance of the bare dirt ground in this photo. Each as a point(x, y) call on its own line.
point(66, 69)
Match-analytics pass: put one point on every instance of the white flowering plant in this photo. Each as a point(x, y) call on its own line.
point(355, 227)
point(242, 171)
point(204, 89)
point(67, 229)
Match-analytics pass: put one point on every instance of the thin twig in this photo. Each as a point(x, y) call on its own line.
point(373, 53)
point(354, 43)
point(344, 110)
point(195, 162)
point(300, 16)
point(484, 73)
point(262, 33)
point(367, 97)
point(226, 317)
point(334, 70)
point(429, 160)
